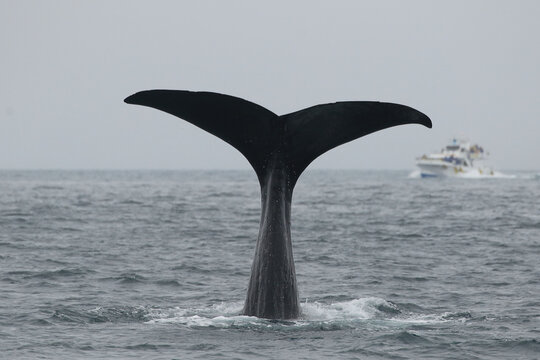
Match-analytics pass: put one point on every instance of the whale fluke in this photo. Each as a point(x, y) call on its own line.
point(245, 125)
point(279, 148)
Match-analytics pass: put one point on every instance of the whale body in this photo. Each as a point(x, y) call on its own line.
point(279, 148)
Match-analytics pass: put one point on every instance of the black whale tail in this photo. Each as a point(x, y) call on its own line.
point(260, 135)
point(279, 148)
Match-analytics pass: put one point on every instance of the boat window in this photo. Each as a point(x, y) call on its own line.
point(452, 147)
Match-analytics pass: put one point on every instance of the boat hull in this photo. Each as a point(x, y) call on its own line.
point(443, 170)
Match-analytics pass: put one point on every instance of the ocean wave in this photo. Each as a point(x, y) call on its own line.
point(14, 213)
point(169, 282)
point(53, 274)
point(117, 314)
point(147, 346)
point(47, 187)
point(126, 278)
point(49, 274)
point(406, 337)
point(521, 345)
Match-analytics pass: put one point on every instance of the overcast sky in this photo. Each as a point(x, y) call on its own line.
point(65, 67)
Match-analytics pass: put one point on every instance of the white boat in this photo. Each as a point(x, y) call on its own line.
point(458, 159)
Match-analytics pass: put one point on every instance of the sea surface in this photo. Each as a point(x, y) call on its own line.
point(155, 265)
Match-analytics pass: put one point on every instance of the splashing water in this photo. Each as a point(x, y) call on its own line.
point(340, 315)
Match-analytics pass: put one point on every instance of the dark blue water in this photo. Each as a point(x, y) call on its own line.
point(136, 264)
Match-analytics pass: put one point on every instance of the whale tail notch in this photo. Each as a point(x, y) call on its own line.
point(259, 134)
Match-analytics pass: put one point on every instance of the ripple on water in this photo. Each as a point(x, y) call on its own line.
point(130, 278)
point(118, 314)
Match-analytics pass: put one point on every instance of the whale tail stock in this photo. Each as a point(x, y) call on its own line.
point(279, 148)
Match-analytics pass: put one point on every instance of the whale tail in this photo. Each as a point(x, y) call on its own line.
point(279, 148)
point(259, 134)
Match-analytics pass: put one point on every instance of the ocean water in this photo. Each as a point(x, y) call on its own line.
point(155, 265)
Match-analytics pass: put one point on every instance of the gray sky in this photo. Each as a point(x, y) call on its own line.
point(66, 66)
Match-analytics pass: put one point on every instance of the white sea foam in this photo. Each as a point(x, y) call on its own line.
point(357, 309)
point(494, 175)
point(416, 174)
point(221, 315)
point(345, 314)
